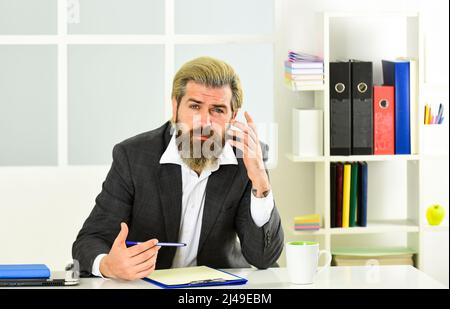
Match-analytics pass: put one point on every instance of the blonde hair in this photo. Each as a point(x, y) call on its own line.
point(210, 72)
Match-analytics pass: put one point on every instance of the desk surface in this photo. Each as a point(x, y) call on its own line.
point(370, 277)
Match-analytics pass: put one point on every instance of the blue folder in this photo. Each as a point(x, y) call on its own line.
point(201, 283)
point(24, 271)
point(397, 74)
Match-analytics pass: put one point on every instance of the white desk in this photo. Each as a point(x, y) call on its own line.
point(366, 277)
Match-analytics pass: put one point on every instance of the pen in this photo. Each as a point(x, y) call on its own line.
point(438, 116)
point(161, 244)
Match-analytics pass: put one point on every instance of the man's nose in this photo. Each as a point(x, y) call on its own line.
point(205, 119)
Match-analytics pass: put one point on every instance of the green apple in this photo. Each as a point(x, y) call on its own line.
point(435, 214)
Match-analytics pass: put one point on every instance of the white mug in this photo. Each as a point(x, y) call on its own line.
point(302, 259)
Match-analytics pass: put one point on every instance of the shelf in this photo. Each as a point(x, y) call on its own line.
point(321, 231)
point(430, 228)
point(295, 158)
point(373, 227)
point(375, 158)
point(435, 156)
point(371, 14)
point(376, 227)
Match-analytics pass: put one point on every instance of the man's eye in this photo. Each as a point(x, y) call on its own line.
point(218, 110)
point(194, 106)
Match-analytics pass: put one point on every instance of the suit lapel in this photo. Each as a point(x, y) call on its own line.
point(219, 184)
point(170, 192)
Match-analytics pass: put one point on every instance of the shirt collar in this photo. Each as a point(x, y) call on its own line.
point(171, 155)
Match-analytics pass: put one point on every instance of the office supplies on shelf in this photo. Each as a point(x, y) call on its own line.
point(384, 120)
point(189, 277)
point(396, 73)
point(362, 194)
point(362, 107)
point(373, 256)
point(414, 102)
point(24, 271)
point(303, 70)
point(353, 194)
point(307, 132)
point(339, 189)
point(298, 85)
point(303, 78)
point(440, 112)
point(333, 194)
point(307, 222)
point(340, 108)
point(296, 56)
point(304, 64)
point(430, 117)
point(346, 195)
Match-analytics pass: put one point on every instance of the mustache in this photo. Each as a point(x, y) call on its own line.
point(208, 131)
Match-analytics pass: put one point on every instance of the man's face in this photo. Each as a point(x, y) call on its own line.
point(202, 118)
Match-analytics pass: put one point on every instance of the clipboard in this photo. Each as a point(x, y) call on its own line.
point(190, 277)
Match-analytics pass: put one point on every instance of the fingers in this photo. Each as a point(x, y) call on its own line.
point(247, 152)
point(245, 129)
point(138, 249)
point(147, 264)
point(145, 273)
point(250, 122)
point(243, 138)
point(122, 236)
point(144, 256)
point(248, 117)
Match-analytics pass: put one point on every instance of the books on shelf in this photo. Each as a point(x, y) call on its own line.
point(310, 222)
point(311, 77)
point(373, 256)
point(348, 194)
point(296, 56)
point(351, 105)
point(397, 74)
point(303, 70)
point(304, 65)
point(368, 119)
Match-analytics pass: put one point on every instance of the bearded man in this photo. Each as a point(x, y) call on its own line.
point(195, 180)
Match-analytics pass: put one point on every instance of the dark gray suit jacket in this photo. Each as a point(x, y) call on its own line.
point(147, 196)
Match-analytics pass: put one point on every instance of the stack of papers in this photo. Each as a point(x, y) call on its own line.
point(188, 277)
point(307, 223)
point(303, 70)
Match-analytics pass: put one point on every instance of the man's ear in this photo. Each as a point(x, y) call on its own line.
point(174, 109)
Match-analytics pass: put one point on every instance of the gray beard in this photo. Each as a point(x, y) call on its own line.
point(199, 164)
point(198, 155)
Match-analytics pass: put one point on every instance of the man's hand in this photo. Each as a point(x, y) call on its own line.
point(129, 263)
point(249, 144)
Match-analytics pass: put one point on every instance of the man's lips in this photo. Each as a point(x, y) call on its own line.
point(203, 137)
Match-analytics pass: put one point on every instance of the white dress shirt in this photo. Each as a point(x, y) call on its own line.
point(193, 202)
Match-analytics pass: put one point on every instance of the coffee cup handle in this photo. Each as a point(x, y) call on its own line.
point(328, 261)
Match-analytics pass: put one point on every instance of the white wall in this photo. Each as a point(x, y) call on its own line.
point(42, 210)
point(297, 29)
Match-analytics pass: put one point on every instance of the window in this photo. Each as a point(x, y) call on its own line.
point(79, 76)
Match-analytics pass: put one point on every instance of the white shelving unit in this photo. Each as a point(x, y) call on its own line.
point(413, 225)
